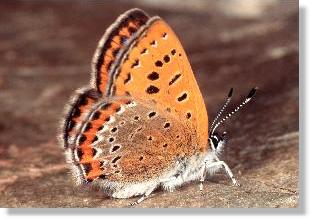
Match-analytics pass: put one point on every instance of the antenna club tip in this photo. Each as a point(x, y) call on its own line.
point(230, 93)
point(252, 93)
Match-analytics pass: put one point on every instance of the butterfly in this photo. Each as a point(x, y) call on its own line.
point(142, 122)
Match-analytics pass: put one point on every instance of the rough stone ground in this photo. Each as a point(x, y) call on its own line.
point(46, 49)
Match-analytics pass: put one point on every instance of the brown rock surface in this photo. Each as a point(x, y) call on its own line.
point(46, 49)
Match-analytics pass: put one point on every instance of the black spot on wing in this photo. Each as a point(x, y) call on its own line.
point(182, 97)
point(152, 89)
point(153, 76)
point(174, 79)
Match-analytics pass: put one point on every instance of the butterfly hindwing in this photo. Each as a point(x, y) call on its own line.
point(79, 105)
point(142, 141)
point(122, 137)
point(80, 149)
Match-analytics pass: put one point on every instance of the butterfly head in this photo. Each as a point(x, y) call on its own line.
point(217, 140)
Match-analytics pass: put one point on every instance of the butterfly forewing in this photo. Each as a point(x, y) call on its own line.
point(155, 67)
point(112, 46)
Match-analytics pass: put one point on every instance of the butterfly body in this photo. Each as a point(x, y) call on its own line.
point(142, 123)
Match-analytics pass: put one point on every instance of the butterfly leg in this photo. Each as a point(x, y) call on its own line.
point(202, 178)
point(139, 200)
point(146, 195)
point(201, 186)
point(228, 170)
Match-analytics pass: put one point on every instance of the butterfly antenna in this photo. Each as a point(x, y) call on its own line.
point(223, 107)
point(250, 95)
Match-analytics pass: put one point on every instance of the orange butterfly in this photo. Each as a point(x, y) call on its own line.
point(142, 124)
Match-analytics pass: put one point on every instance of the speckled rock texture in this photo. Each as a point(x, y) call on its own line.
point(46, 50)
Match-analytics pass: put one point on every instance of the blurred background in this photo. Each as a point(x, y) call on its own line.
point(45, 54)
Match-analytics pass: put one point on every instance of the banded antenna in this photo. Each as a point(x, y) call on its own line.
point(247, 99)
point(223, 107)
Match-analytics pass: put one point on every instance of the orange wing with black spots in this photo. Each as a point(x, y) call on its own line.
point(77, 111)
point(101, 114)
point(154, 66)
point(112, 46)
point(92, 119)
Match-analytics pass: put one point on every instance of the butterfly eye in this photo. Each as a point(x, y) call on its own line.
point(215, 141)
